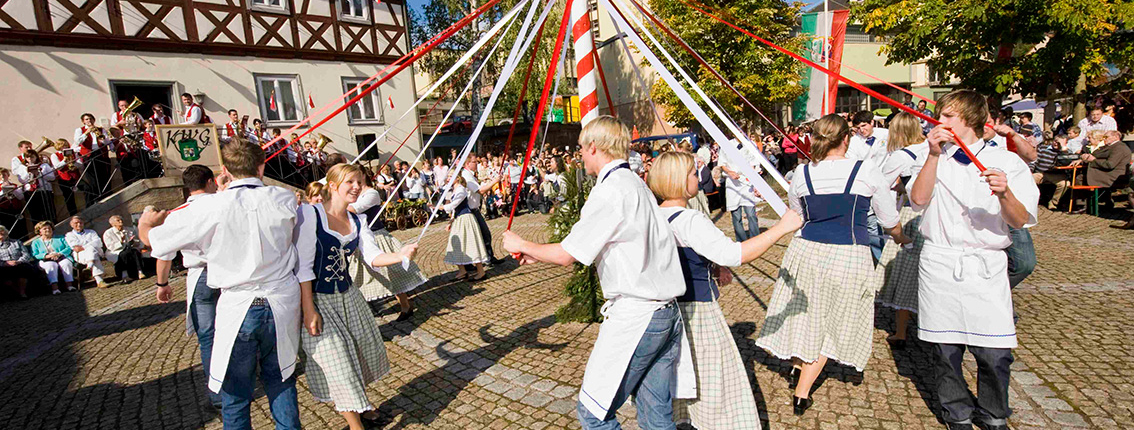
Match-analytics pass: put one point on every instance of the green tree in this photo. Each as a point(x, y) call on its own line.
point(763, 75)
point(1047, 48)
point(438, 15)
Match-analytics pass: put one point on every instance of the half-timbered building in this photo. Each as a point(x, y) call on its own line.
point(268, 59)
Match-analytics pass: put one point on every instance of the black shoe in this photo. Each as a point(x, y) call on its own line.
point(376, 423)
point(799, 406)
point(498, 261)
point(993, 426)
point(402, 316)
point(793, 378)
point(960, 426)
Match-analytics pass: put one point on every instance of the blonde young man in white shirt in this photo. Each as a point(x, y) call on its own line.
point(641, 345)
point(964, 299)
point(87, 248)
point(247, 234)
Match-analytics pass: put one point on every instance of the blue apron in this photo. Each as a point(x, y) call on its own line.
point(698, 273)
point(838, 219)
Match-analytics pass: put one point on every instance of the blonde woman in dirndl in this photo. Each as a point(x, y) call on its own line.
point(822, 305)
point(344, 348)
point(724, 394)
point(382, 282)
point(899, 264)
point(465, 243)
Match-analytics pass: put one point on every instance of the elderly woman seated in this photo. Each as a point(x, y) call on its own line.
point(54, 256)
point(124, 249)
point(15, 264)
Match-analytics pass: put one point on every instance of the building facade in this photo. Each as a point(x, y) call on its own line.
point(268, 59)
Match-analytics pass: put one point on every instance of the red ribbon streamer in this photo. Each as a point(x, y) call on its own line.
point(961, 144)
point(720, 78)
point(404, 62)
point(542, 106)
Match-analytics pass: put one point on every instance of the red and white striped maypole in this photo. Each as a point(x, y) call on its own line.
point(584, 44)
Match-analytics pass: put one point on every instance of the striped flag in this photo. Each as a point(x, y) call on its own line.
point(827, 33)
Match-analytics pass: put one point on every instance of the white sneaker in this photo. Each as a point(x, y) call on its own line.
point(71, 288)
point(55, 292)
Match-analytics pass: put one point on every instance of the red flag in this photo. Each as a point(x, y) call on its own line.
point(272, 100)
point(310, 101)
point(391, 100)
point(635, 133)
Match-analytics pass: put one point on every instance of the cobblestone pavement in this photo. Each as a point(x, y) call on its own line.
point(489, 354)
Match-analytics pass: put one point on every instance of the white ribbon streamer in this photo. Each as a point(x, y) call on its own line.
point(715, 132)
point(460, 62)
point(509, 68)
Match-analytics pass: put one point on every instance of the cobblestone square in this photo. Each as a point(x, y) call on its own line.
point(490, 355)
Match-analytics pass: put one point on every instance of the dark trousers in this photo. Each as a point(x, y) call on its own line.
point(41, 206)
point(129, 263)
point(67, 188)
point(957, 403)
point(485, 234)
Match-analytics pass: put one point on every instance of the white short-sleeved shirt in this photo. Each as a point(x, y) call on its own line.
point(622, 231)
point(514, 171)
point(739, 192)
point(963, 212)
point(246, 234)
point(306, 241)
point(472, 189)
point(191, 257)
point(693, 229)
point(1105, 123)
point(830, 177)
point(876, 153)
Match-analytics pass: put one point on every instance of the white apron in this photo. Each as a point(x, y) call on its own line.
point(964, 297)
point(231, 309)
point(625, 322)
point(190, 286)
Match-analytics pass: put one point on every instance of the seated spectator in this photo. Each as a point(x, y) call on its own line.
point(1108, 162)
point(15, 264)
point(54, 257)
point(1074, 142)
point(414, 188)
point(86, 247)
point(12, 204)
point(124, 249)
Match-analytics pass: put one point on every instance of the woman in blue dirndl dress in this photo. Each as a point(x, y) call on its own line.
point(344, 349)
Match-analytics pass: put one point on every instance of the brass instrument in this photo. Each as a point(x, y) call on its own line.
point(323, 142)
point(133, 105)
point(46, 143)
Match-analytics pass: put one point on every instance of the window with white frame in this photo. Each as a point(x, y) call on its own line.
point(268, 5)
point(353, 10)
point(281, 99)
point(368, 110)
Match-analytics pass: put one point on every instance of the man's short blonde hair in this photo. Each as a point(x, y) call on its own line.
point(242, 158)
point(609, 136)
point(668, 177)
point(969, 105)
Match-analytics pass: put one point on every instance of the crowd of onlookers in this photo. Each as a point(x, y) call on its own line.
point(59, 261)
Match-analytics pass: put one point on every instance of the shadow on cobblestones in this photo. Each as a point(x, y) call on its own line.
point(460, 367)
point(62, 356)
point(750, 354)
point(914, 361)
point(435, 298)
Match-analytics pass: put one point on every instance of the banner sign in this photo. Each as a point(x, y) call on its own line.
point(185, 145)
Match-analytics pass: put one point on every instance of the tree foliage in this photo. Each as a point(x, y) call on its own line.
point(438, 15)
point(763, 75)
point(583, 286)
point(1005, 46)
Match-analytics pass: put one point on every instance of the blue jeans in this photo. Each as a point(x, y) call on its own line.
point(649, 377)
point(1021, 256)
point(993, 372)
point(877, 241)
point(203, 312)
point(738, 226)
point(256, 344)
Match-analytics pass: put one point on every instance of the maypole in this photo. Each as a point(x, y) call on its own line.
point(585, 56)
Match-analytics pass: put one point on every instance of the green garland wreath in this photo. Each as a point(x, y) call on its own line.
point(583, 287)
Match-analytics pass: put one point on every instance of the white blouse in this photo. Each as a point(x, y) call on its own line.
point(693, 229)
point(305, 239)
